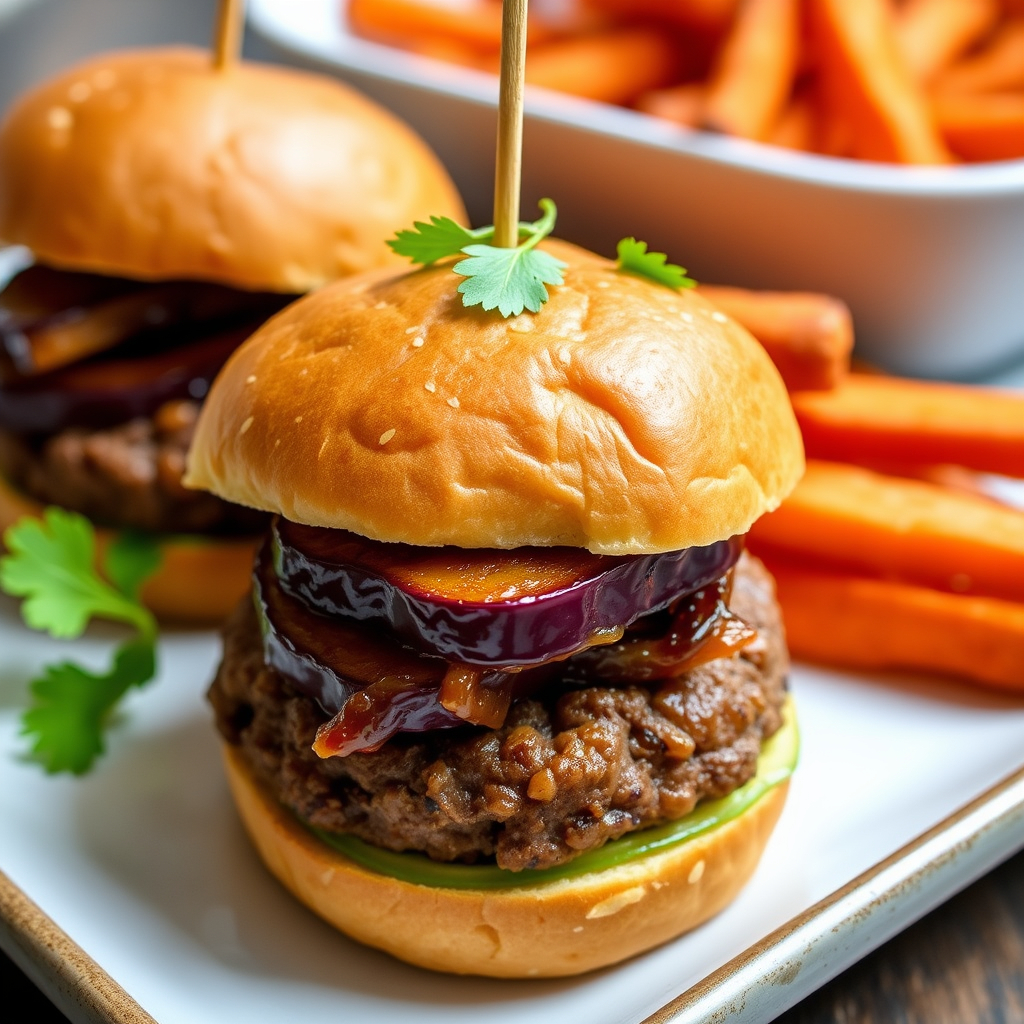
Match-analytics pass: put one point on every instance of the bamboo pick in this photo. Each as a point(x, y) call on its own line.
point(508, 166)
point(228, 37)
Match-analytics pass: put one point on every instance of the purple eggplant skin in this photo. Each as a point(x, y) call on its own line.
point(102, 394)
point(507, 634)
point(329, 660)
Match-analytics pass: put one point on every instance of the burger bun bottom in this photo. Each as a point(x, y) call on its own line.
point(561, 928)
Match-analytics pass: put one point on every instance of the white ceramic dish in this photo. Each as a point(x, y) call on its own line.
point(144, 866)
point(928, 259)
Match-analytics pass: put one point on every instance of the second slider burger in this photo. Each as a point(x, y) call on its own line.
point(508, 698)
point(170, 207)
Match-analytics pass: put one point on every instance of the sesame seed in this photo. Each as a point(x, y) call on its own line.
point(245, 426)
point(521, 325)
point(298, 419)
point(696, 873)
point(720, 318)
point(251, 379)
point(453, 402)
point(604, 284)
point(578, 928)
point(304, 371)
point(380, 305)
point(613, 904)
point(411, 330)
point(417, 342)
point(387, 435)
point(430, 386)
point(59, 118)
point(79, 92)
point(688, 317)
point(277, 442)
point(658, 319)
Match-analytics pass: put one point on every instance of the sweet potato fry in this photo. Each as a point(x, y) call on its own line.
point(707, 15)
point(869, 86)
point(982, 126)
point(878, 624)
point(683, 104)
point(614, 66)
point(996, 68)
point(795, 127)
point(861, 522)
point(755, 68)
point(950, 477)
point(933, 33)
point(476, 24)
point(450, 51)
point(808, 336)
point(871, 418)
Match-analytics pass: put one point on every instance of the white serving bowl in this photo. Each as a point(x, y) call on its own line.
point(930, 260)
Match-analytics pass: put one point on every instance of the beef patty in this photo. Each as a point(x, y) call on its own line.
point(124, 476)
point(568, 770)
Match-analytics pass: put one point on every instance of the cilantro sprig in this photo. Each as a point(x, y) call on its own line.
point(509, 280)
point(635, 259)
point(51, 565)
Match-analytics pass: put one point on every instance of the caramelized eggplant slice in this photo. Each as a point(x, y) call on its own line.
point(50, 318)
point(105, 392)
point(481, 607)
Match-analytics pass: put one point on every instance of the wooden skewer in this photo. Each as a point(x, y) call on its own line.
point(228, 38)
point(508, 167)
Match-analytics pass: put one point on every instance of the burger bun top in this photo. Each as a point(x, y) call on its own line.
point(624, 417)
point(152, 164)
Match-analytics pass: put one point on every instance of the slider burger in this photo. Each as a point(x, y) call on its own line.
point(169, 208)
point(508, 697)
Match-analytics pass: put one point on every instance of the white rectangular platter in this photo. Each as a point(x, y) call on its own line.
point(144, 865)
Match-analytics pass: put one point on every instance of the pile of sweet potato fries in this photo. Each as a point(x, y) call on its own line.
point(898, 81)
point(893, 551)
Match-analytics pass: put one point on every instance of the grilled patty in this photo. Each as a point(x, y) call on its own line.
point(569, 769)
point(127, 476)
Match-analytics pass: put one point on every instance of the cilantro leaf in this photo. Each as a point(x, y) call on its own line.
point(511, 280)
point(130, 560)
point(71, 707)
point(52, 566)
point(635, 259)
point(429, 242)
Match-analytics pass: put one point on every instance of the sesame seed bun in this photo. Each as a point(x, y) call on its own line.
point(151, 164)
point(624, 417)
point(560, 928)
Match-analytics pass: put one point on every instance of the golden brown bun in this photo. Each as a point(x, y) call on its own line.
point(151, 164)
point(564, 927)
point(623, 417)
point(199, 581)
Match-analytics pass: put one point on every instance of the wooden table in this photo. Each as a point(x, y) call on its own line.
point(962, 964)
